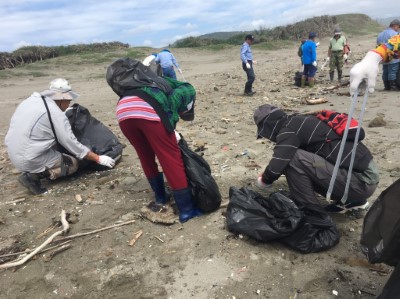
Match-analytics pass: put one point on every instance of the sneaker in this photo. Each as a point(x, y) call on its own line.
point(352, 206)
point(31, 181)
point(249, 94)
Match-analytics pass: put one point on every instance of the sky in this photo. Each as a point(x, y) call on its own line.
point(155, 23)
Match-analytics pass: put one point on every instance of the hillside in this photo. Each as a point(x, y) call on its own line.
point(351, 24)
point(386, 21)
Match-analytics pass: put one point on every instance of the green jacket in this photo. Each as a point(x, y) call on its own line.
point(180, 99)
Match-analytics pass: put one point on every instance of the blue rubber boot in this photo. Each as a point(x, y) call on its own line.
point(186, 207)
point(162, 196)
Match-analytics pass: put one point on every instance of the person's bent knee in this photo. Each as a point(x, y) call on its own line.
point(66, 166)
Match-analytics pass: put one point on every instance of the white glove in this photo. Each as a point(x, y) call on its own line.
point(367, 69)
point(179, 70)
point(317, 44)
point(261, 184)
point(148, 60)
point(314, 63)
point(178, 137)
point(248, 65)
point(345, 56)
point(327, 59)
point(106, 161)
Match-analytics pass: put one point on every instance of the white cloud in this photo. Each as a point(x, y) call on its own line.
point(162, 22)
point(147, 43)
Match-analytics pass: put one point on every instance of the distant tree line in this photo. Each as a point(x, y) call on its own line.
point(30, 54)
point(322, 25)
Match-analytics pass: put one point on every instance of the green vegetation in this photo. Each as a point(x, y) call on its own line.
point(282, 36)
point(102, 53)
point(32, 54)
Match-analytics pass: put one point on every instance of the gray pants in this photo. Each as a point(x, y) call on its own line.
point(308, 173)
point(65, 166)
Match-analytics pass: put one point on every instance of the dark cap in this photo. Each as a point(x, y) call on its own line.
point(394, 22)
point(312, 35)
point(262, 112)
point(250, 36)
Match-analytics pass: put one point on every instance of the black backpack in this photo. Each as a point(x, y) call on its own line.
point(380, 239)
point(125, 74)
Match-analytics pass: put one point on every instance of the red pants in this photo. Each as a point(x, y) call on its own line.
point(151, 139)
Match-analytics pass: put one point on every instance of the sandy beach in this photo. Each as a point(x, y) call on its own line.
point(201, 258)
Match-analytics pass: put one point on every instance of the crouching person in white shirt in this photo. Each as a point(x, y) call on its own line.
point(38, 128)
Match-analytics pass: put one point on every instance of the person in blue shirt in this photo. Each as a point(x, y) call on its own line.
point(247, 64)
point(309, 58)
point(390, 68)
point(167, 62)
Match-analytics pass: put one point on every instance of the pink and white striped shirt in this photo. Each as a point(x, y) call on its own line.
point(135, 107)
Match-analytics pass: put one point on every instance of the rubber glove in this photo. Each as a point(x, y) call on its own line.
point(317, 44)
point(261, 184)
point(148, 60)
point(327, 59)
point(178, 136)
point(314, 63)
point(179, 70)
point(248, 65)
point(106, 161)
point(367, 69)
point(345, 56)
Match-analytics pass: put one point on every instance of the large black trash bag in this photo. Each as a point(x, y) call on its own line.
point(125, 74)
point(205, 190)
point(380, 238)
point(317, 233)
point(263, 219)
point(93, 134)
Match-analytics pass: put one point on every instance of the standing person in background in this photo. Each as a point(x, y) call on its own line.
point(391, 67)
point(300, 51)
point(167, 62)
point(247, 64)
point(309, 59)
point(337, 52)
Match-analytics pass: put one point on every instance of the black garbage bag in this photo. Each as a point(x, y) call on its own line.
point(205, 190)
point(93, 134)
point(263, 219)
point(391, 289)
point(380, 238)
point(316, 233)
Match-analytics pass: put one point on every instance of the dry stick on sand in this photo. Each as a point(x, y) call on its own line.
point(30, 250)
point(94, 231)
point(136, 237)
point(44, 244)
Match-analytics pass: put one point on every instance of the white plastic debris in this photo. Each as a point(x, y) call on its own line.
point(334, 292)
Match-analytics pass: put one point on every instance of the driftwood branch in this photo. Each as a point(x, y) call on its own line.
point(94, 231)
point(49, 257)
point(40, 247)
point(30, 250)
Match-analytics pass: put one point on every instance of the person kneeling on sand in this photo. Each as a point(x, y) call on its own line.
point(37, 129)
point(306, 151)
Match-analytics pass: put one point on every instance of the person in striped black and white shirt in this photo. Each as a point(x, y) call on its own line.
point(306, 151)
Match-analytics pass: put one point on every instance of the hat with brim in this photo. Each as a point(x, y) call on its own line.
point(60, 95)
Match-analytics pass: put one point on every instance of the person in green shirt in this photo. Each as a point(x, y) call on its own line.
point(337, 52)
